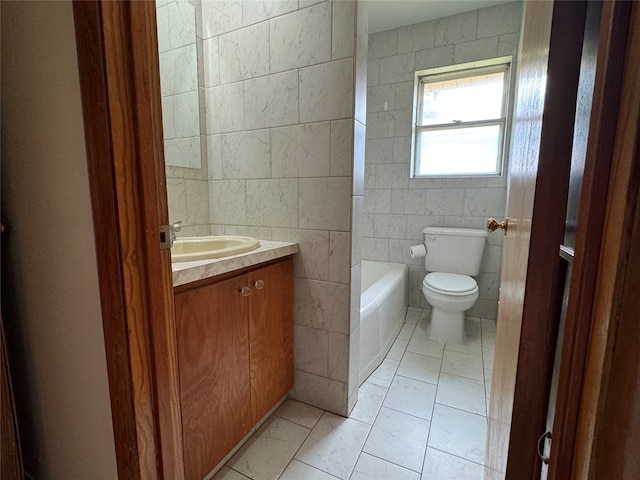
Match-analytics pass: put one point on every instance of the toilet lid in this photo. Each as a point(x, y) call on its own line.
point(450, 282)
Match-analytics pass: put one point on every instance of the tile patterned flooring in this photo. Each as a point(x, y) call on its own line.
point(420, 416)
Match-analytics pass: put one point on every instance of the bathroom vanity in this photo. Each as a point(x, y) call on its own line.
point(235, 348)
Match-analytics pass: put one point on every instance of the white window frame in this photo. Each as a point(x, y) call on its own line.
point(461, 71)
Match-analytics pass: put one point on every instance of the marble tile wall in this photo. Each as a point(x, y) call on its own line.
point(361, 46)
point(285, 88)
point(183, 115)
point(397, 208)
point(177, 45)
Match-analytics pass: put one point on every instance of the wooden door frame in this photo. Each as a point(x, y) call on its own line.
point(607, 427)
point(119, 80)
point(550, 58)
point(546, 269)
point(593, 213)
point(586, 353)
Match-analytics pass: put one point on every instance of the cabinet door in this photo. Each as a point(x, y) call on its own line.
point(270, 335)
point(213, 354)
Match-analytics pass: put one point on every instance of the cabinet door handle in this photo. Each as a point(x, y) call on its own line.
point(246, 291)
point(259, 284)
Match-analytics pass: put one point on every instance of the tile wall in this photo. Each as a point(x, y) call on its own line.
point(187, 185)
point(285, 88)
point(397, 208)
point(179, 82)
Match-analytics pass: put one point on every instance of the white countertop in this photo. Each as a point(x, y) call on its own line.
point(187, 272)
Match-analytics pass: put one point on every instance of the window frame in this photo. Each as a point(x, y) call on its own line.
point(451, 72)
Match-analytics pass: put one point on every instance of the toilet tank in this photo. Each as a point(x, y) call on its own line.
point(454, 250)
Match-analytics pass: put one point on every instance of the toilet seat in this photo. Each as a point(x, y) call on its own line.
point(450, 284)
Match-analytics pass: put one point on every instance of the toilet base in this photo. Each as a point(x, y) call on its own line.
point(447, 327)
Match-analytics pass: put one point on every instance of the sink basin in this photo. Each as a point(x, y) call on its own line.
point(187, 249)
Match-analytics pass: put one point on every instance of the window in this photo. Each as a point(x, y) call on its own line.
point(460, 119)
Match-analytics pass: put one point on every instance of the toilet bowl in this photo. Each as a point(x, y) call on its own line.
point(449, 295)
point(452, 256)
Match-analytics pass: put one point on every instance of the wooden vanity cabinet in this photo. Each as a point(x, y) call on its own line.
point(270, 336)
point(213, 348)
point(235, 358)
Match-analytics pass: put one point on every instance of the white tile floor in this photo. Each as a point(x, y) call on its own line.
point(420, 416)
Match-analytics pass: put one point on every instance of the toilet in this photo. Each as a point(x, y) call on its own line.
point(453, 257)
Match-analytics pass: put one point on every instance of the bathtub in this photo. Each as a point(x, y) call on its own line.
point(382, 311)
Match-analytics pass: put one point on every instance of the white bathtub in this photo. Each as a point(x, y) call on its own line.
point(382, 311)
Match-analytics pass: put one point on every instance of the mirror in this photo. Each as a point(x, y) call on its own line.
point(179, 82)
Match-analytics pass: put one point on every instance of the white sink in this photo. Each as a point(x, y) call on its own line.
point(187, 249)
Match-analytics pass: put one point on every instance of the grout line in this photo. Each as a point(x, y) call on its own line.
point(388, 461)
point(377, 414)
point(459, 409)
point(408, 414)
point(457, 456)
point(301, 444)
point(311, 466)
point(415, 379)
point(386, 394)
point(464, 378)
point(433, 409)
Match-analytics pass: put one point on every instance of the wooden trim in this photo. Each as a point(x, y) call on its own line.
point(158, 278)
point(605, 105)
point(609, 417)
point(546, 269)
point(617, 426)
point(121, 107)
point(95, 105)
